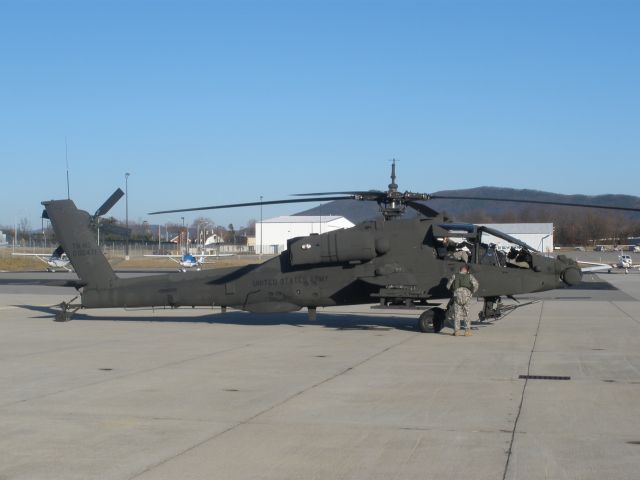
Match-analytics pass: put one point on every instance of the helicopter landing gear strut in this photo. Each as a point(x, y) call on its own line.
point(493, 308)
point(67, 310)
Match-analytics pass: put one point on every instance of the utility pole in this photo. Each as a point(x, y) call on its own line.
point(126, 196)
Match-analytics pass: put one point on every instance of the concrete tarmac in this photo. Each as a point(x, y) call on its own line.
point(358, 394)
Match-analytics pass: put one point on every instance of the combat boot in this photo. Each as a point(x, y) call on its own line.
point(467, 333)
point(456, 333)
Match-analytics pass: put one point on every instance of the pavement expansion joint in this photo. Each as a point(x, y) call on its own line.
point(626, 314)
point(524, 389)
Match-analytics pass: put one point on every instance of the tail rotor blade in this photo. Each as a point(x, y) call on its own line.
point(109, 203)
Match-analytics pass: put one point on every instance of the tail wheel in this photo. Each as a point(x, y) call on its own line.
point(431, 320)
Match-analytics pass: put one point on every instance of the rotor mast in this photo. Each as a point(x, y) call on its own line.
point(391, 205)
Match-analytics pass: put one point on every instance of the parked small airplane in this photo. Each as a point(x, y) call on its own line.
point(625, 262)
point(57, 260)
point(189, 261)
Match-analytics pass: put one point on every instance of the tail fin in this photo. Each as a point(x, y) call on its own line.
point(74, 230)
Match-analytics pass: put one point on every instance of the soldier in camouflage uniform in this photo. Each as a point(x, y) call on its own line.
point(462, 285)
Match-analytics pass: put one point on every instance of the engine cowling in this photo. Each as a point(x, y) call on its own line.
point(340, 246)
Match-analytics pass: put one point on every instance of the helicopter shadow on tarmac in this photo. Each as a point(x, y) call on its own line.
point(347, 321)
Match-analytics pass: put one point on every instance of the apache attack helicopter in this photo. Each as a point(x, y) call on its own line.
point(391, 260)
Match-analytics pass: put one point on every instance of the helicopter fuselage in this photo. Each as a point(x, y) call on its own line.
point(341, 268)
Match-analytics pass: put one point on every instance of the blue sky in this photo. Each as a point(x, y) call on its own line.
point(218, 102)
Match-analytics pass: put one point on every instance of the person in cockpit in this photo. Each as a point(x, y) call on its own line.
point(457, 251)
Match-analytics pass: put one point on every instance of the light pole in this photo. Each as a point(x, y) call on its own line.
point(126, 198)
point(261, 241)
point(542, 242)
point(146, 232)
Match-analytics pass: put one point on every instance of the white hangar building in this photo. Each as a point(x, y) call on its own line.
point(537, 235)
point(272, 234)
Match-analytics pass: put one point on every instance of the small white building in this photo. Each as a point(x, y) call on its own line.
point(272, 234)
point(213, 240)
point(538, 236)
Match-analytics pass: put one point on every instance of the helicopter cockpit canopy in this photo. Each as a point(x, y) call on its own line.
point(477, 244)
point(499, 249)
point(504, 236)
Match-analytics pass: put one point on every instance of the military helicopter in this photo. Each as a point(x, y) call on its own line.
point(393, 261)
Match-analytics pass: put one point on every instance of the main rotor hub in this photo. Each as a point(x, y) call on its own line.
point(392, 202)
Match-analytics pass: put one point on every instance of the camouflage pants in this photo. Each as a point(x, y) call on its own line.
point(458, 310)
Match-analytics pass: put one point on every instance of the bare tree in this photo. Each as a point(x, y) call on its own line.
point(24, 229)
point(200, 221)
point(251, 227)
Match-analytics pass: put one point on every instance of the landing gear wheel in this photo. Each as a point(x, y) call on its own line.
point(66, 312)
point(63, 316)
point(431, 320)
point(438, 320)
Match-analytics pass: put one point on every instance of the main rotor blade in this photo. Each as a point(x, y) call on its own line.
point(352, 192)
point(254, 204)
point(109, 203)
point(537, 202)
point(423, 209)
